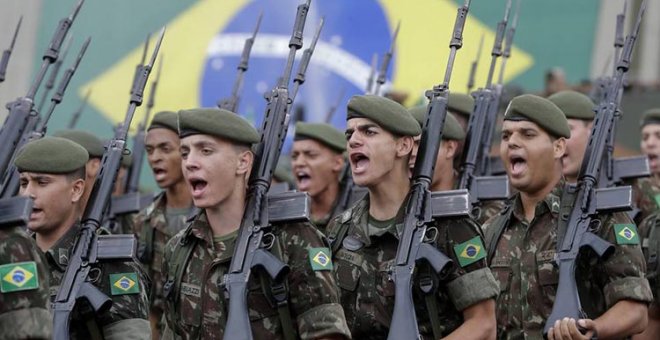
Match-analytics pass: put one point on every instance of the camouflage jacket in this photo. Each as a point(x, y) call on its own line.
point(524, 266)
point(196, 308)
point(153, 232)
point(24, 288)
point(364, 259)
point(123, 282)
point(649, 232)
point(489, 209)
point(646, 196)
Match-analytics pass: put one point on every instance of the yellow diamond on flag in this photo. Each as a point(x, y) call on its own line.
point(627, 233)
point(18, 276)
point(471, 251)
point(124, 283)
point(321, 258)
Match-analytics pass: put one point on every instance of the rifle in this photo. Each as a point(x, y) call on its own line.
point(418, 209)
point(91, 248)
point(304, 62)
point(385, 63)
point(78, 112)
point(50, 83)
point(21, 110)
point(11, 183)
point(473, 66)
point(372, 73)
point(590, 199)
point(4, 62)
point(231, 103)
point(335, 105)
point(249, 251)
point(474, 163)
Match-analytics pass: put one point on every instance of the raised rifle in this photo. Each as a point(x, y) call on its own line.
point(50, 83)
point(250, 251)
point(372, 74)
point(299, 79)
point(11, 182)
point(473, 66)
point(385, 63)
point(76, 114)
point(590, 199)
point(91, 248)
point(474, 174)
point(334, 106)
point(4, 62)
point(231, 103)
point(21, 110)
point(418, 205)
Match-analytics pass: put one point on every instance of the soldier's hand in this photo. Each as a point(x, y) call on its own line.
point(568, 329)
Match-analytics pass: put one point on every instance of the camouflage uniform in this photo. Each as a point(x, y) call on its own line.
point(196, 309)
point(489, 209)
point(24, 303)
point(123, 282)
point(153, 231)
point(649, 232)
point(646, 195)
point(364, 257)
point(523, 264)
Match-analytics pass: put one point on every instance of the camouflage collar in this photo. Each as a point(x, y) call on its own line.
point(157, 207)
point(199, 228)
point(550, 203)
point(360, 221)
point(58, 254)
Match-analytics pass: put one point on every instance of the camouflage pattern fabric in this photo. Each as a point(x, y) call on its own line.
point(153, 220)
point(24, 312)
point(489, 209)
point(196, 308)
point(123, 282)
point(646, 195)
point(524, 267)
point(366, 257)
point(649, 232)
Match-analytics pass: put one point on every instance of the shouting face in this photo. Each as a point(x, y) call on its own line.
point(650, 146)
point(315, 166)
point(164, 157)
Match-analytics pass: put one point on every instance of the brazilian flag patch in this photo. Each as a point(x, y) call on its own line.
point(16, 277)
point(124, 283)
point(470, 251)
point(657, 199)
point(626, 233)
point(320, 259)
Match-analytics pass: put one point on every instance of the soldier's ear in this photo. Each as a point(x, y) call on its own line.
point(559, 147)
point(244, 160)
point(77, 190)
point(404, 146)
point(452, 147)
point(338, 162)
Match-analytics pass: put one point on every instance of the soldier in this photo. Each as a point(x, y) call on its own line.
point(364, 238)
point(167, 214)
point(523, 239)
point(317, 159)
point(95, 149)
point(52, 172)
point(646, 191)
point(24, 287)
point(217, 159)
point(579, 112)
point(649, 231)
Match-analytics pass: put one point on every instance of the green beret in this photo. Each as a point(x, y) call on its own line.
point(651, 116)
point(127, 159)
point(451, 130)
point(90, 142)
point(325, 134)
point(51, 155)
point(540, 111)
point(219, 123)
point(387, 113)
point(460, 103)
point(164, 120)
point(574, 104)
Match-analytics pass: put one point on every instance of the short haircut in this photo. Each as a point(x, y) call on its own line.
point(77, 174)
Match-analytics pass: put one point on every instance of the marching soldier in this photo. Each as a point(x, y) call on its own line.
point(52, 173)
point(364, 238)
point(523, 240)
point(167, 214)
point(216, 160)
point(317, 159)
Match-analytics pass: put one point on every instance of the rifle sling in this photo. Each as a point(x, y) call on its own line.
point(566, 206)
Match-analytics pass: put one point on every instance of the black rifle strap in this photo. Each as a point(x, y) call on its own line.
point(279, 294)
point(428, 285)
point(146, 247)
point(566, 206)
point(496, 229)
point(93, 329)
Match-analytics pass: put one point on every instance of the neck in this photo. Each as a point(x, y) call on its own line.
point(386, 197)
point(655, 178)
point(571, 178)
point(46, 240)
point(178, 195)
point(442, 182)
point(323, 202)
point(531, 199)
point(225, 218)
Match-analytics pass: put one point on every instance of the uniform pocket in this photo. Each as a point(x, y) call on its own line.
point(385, 284)
point(548, 274)
point(348, 269)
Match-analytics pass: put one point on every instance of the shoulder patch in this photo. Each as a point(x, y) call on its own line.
point(20, 276)
point(657, 199)
point(626, 233)
point(470, 251)
point(320, 259)
point(124, 283)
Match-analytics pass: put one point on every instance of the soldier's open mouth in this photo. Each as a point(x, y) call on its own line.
point(303, 179)
point(159, 173)
point(518, 165)
point(197, 186)
point(359, 161)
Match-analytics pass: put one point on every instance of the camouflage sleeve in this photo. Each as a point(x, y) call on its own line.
point(622, 274)
point(24, 293)
point(166, 321)
point(470, 281)
point(127, 285)
point(127, 329)
point(313, 293)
